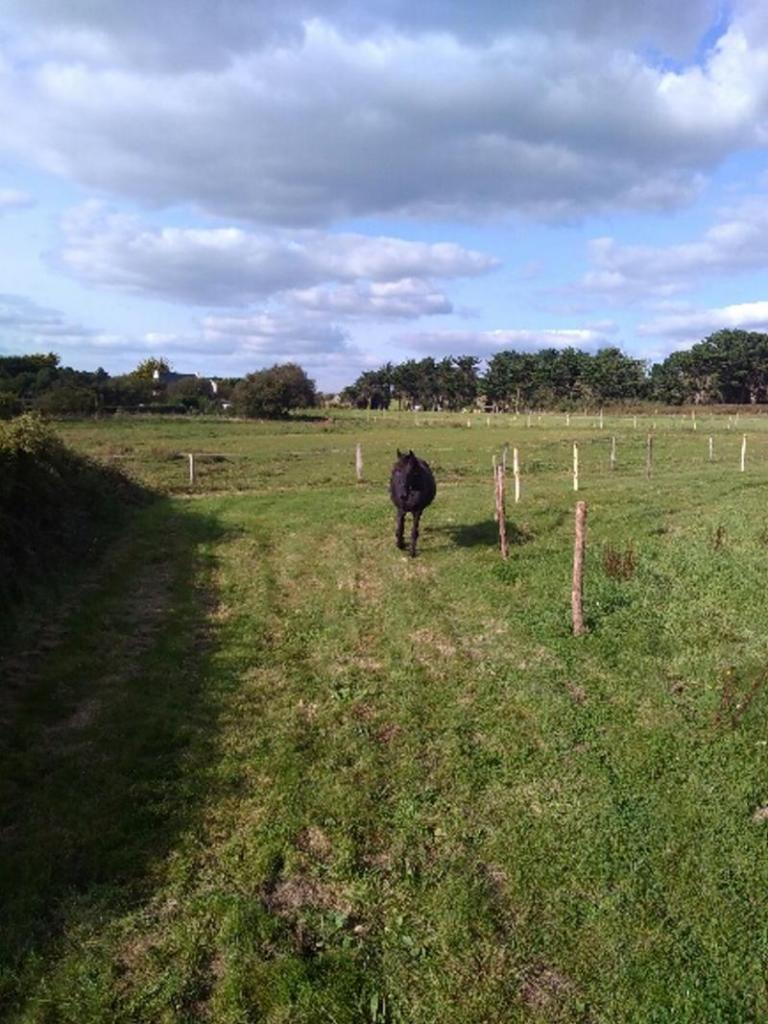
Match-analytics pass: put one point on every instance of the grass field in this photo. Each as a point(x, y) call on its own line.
point(262, 767)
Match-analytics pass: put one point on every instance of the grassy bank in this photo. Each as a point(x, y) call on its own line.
point(57, 509)
point(265, 768)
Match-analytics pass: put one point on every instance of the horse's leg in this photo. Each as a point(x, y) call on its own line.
point(415, 532)
point(400, 529)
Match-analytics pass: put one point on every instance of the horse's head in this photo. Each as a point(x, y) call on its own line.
point(404, 471)
point(407, 462)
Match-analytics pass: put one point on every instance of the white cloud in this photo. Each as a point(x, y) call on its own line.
point(274, 333)
point(14, 199)
point(526, 340)
point(195, 34)
point(737, 242)
point(688, 327)
point(228, 345)
point(230, 266)
point(407, 298)
point(23, 320)
point(308, 119)
point(261, 339)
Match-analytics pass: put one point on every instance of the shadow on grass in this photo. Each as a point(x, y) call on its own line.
point(482, 534)
point(106, 726)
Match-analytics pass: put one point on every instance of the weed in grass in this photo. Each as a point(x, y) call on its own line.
point(718, 538)
point(737, 693)
point(619, 563)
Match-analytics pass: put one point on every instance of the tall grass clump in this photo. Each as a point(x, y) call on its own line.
point(56, 507)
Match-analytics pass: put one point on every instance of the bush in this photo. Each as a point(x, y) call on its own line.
point(10, 405)
point(273, 393)
point(66, 400)
point(56, 506)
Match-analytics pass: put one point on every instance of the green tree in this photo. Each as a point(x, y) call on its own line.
point(274, 392)
point(66, 399)
point(611, 376)
point(147, 367)
point(193, 393)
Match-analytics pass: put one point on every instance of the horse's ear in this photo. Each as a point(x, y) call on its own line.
point(410, 451)
point(399, 454)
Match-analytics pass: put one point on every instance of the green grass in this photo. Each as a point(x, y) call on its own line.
point(263, 767)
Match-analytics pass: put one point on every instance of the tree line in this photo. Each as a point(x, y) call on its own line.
point(40, 383)
point(730, 366)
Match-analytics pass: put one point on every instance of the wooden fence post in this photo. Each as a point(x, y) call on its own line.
point(575, 466)
point(501, 514)
point(648, 456)
point(711, 449)
point(743, 452)
point(359, 462)
point(577, 587)
point(504, 456)
point(601, 419)
point(191, 459)
point(613, 453)
point(516, 472)
point(494, 469)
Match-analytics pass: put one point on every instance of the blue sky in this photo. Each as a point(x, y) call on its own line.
point(231, 184)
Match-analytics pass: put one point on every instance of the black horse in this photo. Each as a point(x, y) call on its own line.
point(412, 487)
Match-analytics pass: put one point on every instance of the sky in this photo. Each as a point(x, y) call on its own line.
point(231, 183)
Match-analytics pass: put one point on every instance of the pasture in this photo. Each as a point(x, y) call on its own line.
point(261, 766)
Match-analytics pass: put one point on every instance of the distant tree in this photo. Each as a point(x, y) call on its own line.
point(457, 381)
point(509, 381)
point(610, 376)
point(147, 367)
point(405, 383)
point(191, 392)
point(727, 366)
point(225, 386)
point(371, 390)
point(27, 376)
point(126, 392)
point(274, 392)
point(66, 399)
point(10, 405)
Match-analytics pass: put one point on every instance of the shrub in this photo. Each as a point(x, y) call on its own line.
point(10, 405)
point(66, 400)
point(273, 393)
point(56, 506)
